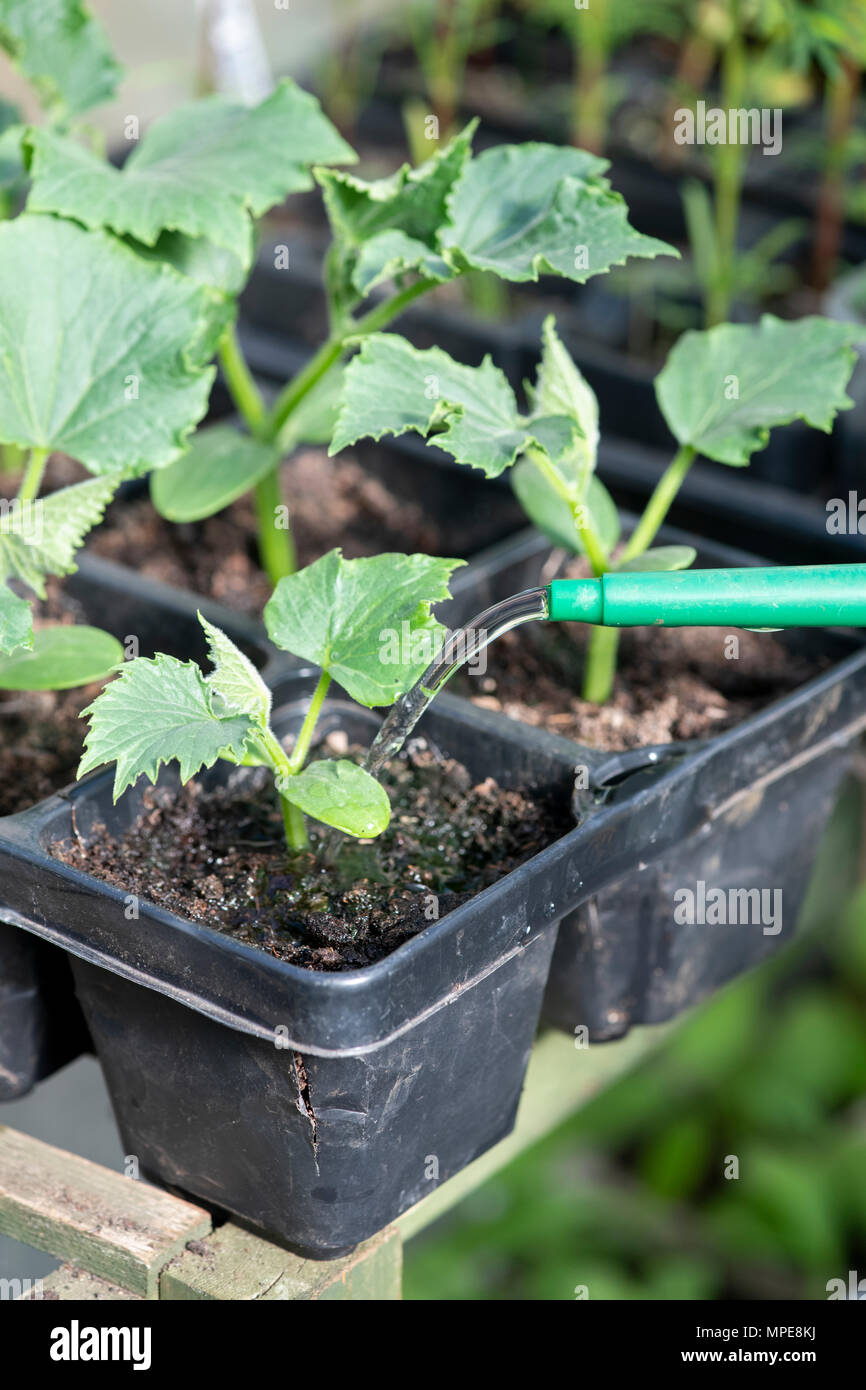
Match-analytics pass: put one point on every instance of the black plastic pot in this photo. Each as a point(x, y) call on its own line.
point(41, 1027)
point(315, 1107)
point(741, 811)
point(846, 301)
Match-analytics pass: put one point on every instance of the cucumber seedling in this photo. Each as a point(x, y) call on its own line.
point(189, 196)
point(336, 613)
point(721, 391)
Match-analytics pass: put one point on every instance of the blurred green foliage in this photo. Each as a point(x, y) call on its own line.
point(630, 1198)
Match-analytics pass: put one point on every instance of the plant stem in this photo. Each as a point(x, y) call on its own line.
point(276, 543)
point(293, 824)
point(728, 176)
point(841, 101)
point(600, 668)
point(592, 546)
point(589, 121)
point(244, 391)
point(32, 479)
point(659, 503)
point(276, 546)
point(334, 346)
point(302, 743)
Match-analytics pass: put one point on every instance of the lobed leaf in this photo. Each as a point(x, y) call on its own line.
point(723, 390)
point(392, 388)
point(41, 537)
point(384, 228)
point(532, 209)
point(155, 712)
point(205, 170)
point(366, 622)
point(101, 353)
point(341, 794)
point(62, 50)
point(234, 678)
point(561, 389)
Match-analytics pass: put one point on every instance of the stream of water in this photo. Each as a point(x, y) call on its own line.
point(459, 647)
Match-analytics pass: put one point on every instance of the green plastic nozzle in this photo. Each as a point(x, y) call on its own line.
point(790, 596)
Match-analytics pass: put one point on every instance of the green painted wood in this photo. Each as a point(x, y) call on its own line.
point(114, 1227)
point(77, 1286)
point(561, 1077)
point(234, 1264)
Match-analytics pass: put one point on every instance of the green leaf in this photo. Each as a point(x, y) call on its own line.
point(341, 794)
point(662, 557)
point(16, 621)
point(62, 50)
point(526, 210)
point(61, 658)
point(220, 465)
point(561, 389)
point(366, 622)
point(205, 169)
point(392, 387)
point(235, 679)
point(198, 258)
point(548, 511)
point(159, 711)
point(392, 225)
point(721, 391)
point(41, 537)
point(100, 352)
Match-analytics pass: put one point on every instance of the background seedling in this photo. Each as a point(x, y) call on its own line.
point(721, 392)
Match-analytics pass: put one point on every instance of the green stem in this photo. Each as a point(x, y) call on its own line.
point(244, 391)
point(293, 824)
point(276, 544)
point(302, 743)
point(659, 503)
point(592, 546)
point(286, 767)
point(600, 668)
point(32, 479)
point(728, 177)
point(301, 385)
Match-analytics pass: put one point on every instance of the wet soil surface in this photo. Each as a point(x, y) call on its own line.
point(218, 857)
point(331, 502)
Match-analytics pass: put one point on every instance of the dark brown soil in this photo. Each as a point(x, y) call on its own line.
point(332, 502)
point(219, 858)
point(40, 731)
point(671, 683)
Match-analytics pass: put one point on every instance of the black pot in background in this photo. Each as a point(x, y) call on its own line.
point(846, 301)
point(383, 1081)
point(744, 810)
point(41, 1027)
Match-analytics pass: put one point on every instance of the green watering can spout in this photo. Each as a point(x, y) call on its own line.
point(788, 596)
